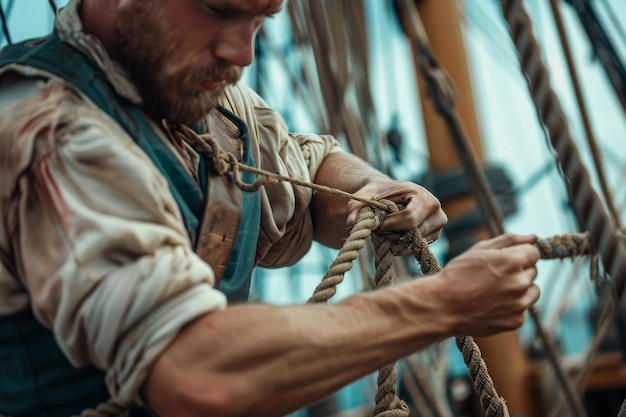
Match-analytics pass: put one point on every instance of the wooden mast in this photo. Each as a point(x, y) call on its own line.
point(507, 362)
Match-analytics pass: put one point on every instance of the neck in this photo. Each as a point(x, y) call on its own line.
point(98, 19)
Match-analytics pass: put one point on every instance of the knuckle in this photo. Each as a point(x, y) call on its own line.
point(411, 222)
point(434, 205)
point(508, 237)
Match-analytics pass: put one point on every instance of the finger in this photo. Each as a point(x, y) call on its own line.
point(353, 212)
point(424, 214)
point(506, 240)
point(531, 296)
point(402, 220)
point(434, 225)
point(524, 255)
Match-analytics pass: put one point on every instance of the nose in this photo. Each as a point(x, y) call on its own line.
point(236, 45)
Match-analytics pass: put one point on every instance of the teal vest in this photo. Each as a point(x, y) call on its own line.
point(36, 380)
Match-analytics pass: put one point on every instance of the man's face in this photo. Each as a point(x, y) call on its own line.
point(181, 53)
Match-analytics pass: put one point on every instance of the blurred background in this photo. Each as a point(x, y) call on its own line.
point(348, 68)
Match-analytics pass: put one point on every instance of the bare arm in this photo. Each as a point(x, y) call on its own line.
point(268, 361)
point(332, 215)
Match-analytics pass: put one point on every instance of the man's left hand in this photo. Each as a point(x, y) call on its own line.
point(422, 209)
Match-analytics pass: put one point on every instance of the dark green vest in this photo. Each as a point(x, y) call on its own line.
point(36, 380)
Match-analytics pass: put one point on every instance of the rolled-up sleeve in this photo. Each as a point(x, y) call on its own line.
point(100, 245)
point(286, 224)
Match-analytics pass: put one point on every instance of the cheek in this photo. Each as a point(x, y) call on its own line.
point(181, 54)
point(178, 61)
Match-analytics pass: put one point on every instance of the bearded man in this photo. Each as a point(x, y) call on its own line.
point(126, 255)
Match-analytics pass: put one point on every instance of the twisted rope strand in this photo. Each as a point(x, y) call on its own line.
point(587, 205)
point(366, 222)
point(387, 401)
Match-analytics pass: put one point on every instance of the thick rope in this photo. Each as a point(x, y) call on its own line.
point(366, 222)
point(387, 402)
point(386, 399)
point(587, 205)
point(564, 246)
point(442, 92)
point(591, 139)
point(490, 400)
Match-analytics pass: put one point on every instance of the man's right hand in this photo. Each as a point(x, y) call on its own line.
point(489, 288)
point(231, 362)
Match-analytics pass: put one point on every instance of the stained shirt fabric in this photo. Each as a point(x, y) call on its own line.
point(93, 239)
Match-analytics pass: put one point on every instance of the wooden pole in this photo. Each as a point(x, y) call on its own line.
point(503, 354)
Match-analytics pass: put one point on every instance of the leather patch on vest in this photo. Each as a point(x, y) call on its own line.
point(222, 215)
point(220, 224)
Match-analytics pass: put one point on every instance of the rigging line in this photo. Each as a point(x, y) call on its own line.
point(5, 27)
point(53, 6)
point(603, 47)
point(619, 28)
point(602, 328)
point(393, 91)
point(301, 89)
point(535, 178)
point(550, 291)
point(582, 107)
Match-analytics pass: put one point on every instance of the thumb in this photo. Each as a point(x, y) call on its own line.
point(353, 209)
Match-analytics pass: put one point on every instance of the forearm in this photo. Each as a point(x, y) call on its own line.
point(269, 361)
point(345, 172)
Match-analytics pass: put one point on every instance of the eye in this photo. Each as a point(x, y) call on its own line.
point(213, 11)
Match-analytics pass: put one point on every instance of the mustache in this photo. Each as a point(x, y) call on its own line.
point(227, 74)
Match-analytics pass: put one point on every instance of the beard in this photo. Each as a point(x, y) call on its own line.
point(148, 49)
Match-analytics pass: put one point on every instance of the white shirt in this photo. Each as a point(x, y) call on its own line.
point(92, 231)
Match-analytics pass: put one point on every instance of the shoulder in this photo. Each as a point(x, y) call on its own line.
point(40, 116)
point(247, 104)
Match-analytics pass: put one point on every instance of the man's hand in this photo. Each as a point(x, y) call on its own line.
point(489, 288)
point(422, 210)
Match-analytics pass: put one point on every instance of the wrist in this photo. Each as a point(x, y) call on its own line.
point(440, 294)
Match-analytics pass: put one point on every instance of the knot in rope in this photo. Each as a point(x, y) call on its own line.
point(399, 242)
point(220, 161)
point(223, 163)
